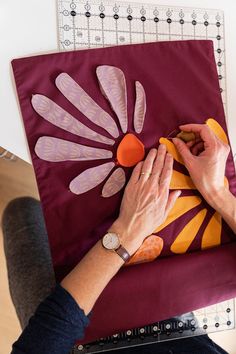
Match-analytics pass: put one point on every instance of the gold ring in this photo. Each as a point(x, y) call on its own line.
point(145, 173)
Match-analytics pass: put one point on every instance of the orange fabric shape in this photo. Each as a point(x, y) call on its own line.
point(130, 151)
point(148, 251)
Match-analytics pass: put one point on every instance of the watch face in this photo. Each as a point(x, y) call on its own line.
point(111, 241)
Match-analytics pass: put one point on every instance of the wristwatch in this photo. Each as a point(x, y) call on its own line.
point(111, 241)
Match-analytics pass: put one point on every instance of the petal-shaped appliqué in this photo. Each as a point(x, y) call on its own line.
point(130, 151)
point(212, 233)
point(90, 178)
point(85, 104)
point(114, 183)
point(217, 129)
point(171, 149)
point(148, 251)
point(53, 149)
point(56, 115)
point(181, 181)
point(181, 206)
point(188, 234)
point(140, 107)
point(113, 86)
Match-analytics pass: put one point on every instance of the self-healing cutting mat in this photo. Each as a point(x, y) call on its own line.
point(63, 99)
point(96, 24)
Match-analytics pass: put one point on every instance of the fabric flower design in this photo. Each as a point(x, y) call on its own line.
point(130, 150)
point(212, 234)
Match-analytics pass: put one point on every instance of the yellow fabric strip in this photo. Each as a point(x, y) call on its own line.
point(188, 234)
point(171, 149)
point(182, 206)
point(217, 129)
point(212, 234)
point(181, 181)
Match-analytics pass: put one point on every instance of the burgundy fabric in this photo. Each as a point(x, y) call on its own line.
point(181, 85)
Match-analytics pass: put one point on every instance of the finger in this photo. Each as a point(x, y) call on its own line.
point(136, 173)
point(158, 163)
point(147, 165)
point(184, 150)
point(197, 148)
point(166, 172)
point(203, 130)
point(173, 196)
point(193, 142)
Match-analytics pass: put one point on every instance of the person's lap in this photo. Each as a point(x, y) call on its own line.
point(30, 271)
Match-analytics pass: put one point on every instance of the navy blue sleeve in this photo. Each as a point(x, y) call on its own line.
point(54, 328)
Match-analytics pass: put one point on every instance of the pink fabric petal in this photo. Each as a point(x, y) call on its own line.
point(53, 149)
point(113, 87)
point(85, 104)
point(90, 178)
point(56, 115)
point(140, 107)
point(114, 183)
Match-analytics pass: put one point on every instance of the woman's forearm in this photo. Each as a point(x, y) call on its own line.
point(88, 279)
point(225, 203)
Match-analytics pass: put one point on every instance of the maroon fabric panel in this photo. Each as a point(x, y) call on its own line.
point(181, 85)
point(163, 289)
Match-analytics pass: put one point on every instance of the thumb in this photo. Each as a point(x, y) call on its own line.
point(173, 196)
point(183, 149)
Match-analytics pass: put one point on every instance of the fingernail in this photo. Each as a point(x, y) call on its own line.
point(178, 193)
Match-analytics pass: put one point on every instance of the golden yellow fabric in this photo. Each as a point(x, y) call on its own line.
point(181, 181)
point(171, 149)
point(188, 234)
point(217, 129)
point(182, 206)
point(212, 234)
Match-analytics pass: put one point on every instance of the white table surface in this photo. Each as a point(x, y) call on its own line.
point(29, 27)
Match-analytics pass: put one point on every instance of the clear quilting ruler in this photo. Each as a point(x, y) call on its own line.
point(89, 24)
point(210, 319)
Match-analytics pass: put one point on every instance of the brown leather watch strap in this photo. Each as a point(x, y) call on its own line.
point(121, 251)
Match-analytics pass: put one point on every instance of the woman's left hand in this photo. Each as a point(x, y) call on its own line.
point(146, 201)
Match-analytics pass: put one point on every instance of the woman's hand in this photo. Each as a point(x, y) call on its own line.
point(146, 201)
point(205, 158)
point(145, 205)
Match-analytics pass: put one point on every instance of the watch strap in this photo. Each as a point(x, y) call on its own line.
point(121, 251)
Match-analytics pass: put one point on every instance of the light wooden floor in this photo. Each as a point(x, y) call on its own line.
point(17, 179)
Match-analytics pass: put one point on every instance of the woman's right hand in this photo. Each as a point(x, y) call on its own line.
point(205, 158)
